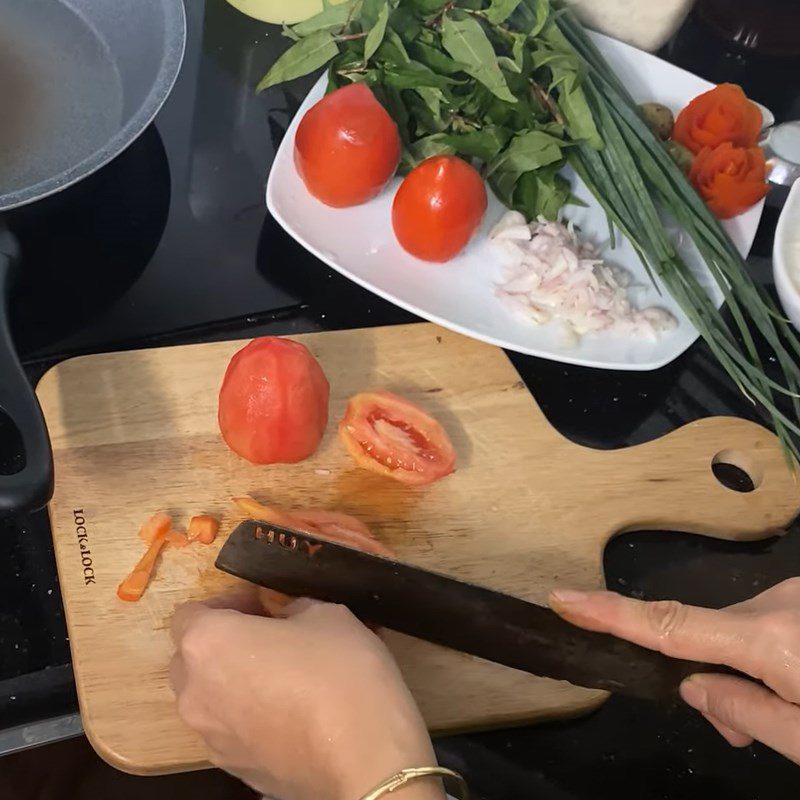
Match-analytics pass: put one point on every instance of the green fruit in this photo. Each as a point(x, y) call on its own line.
point(681, 155)
point(659, 118)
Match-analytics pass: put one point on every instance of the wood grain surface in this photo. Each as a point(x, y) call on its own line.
point(527, 511)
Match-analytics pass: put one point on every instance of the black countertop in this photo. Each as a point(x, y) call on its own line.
point(172, 243)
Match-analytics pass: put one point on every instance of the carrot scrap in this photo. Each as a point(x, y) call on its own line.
point(159, 534)
point(203, 529)
point(158, 525)
point(133, 587)
point(177, 539)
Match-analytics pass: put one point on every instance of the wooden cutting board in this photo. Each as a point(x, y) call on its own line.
point(527, 511)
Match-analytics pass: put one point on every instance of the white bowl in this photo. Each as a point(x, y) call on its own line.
point(648, 26)
point(786, 258)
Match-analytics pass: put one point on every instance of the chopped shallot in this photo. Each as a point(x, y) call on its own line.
point(551, 275)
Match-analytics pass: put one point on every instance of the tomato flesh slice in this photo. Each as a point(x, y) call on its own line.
point(391, 436)
point(331, 525)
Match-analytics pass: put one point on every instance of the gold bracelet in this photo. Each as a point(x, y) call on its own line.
point(398, 781)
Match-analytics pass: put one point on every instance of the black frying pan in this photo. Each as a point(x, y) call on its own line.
point(79, 81)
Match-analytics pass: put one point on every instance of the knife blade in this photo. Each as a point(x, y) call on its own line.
point(439, 609)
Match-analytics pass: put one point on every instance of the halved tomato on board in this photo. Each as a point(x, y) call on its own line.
point(391, 436)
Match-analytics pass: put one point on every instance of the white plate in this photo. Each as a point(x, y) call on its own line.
point(359, 243)
point(786, 261)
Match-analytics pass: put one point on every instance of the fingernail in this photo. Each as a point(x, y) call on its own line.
point(568, 596)
point(694, 693)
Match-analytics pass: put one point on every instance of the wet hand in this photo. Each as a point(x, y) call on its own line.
point(308, 707)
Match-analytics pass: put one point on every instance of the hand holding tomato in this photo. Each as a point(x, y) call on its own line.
point(438, 208)
point(347, 147)
point(307, 707)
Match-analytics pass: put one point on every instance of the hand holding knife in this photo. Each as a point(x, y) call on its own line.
point(451, 613)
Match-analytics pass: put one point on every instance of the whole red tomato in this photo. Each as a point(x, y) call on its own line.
point(347, 147)
point(438, 208)
point(273, 404)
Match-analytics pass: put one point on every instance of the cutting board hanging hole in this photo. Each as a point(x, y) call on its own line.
point(737, 471)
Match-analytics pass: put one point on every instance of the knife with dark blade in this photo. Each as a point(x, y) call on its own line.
point(475, 620)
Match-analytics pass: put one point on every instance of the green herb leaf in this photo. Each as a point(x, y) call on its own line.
point(332, 16)
point(554, 195)
point(427, 6)
point(528, 151)
point(348, 67)
point(435, 59)
point(568, 76)
point(423, 117)
point(289, 33)
point(509, 64)
point(466, 41)
point(392, 49)
point(565, 68)
point(429, 110)
point(504, 185)
point(580, 120)
point(484, 144)
point(300, 59)
point(413, 75)
point(376, 34)
point(405, 24)
point(476, 102)
point(518, 50)
point(392, 101)
point(430, 146)
point(542, 193)
point(370, 10)
point(532, 16)
point(500, 10)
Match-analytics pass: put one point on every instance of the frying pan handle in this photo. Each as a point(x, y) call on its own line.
point(32, 487)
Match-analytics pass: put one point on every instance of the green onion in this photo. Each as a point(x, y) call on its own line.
point(632, 178)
